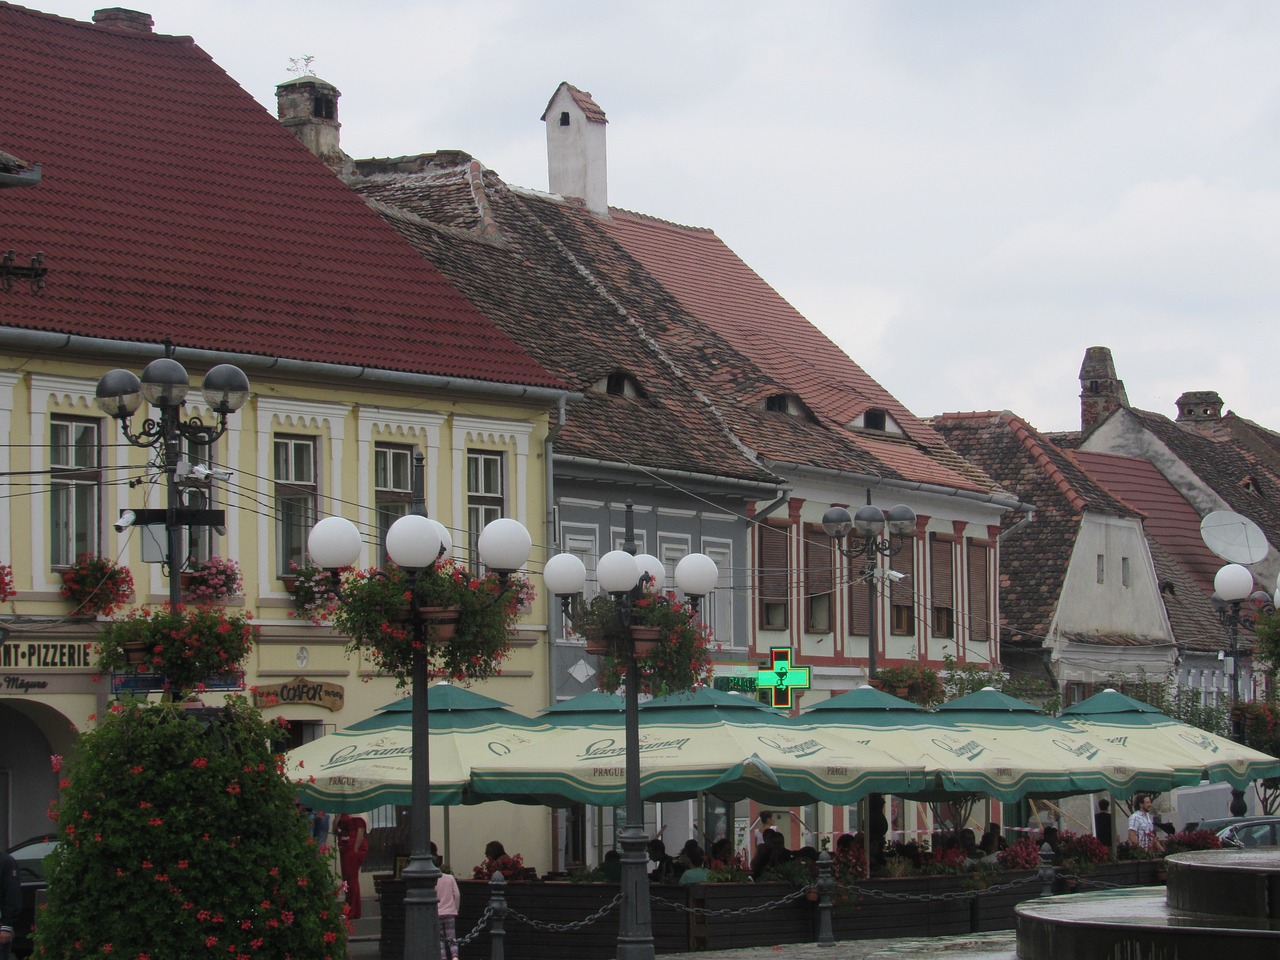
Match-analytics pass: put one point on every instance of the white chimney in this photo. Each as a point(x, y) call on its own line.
point(576, 165)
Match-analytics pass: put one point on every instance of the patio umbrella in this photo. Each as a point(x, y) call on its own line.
point(1087, 765)
point(586, 709)
point(956, 758)
point(367, 764)
point(709, 741)
point(1124, 722)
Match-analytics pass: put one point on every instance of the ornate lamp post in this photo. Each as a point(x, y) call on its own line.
point(415, 543)
point(1232, 585)
point(870, 541)
point(623, 576)
point(164, 385)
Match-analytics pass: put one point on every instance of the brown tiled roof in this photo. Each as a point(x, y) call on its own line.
point(174, 206)
point(492, 243)
point(713, 284)
point(1034, 561)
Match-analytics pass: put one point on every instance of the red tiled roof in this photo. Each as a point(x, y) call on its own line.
point(582, 99)
point(1170, 518)
point(174, 206)
point(713, 284)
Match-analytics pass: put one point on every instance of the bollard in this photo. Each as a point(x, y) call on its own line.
point(826, 937)
point(1047, 873)
point(497, 927)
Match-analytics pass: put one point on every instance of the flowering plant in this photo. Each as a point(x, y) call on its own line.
point(681, 659)
point(180, 837)
point(311, 588)
point(1022, 855)
point(1081, 850)
point(374, 611)
point(97, 585)
point(6, 583)
point(732, 870)
point(1192, 840)
point(187, 645)
point(206, 581)
point(511, 865)
point(849, 865)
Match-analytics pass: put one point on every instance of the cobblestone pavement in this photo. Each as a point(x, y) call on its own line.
point(987, 946)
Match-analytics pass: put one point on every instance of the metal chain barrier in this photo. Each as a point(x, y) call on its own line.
point(950, 895)
point(732, 912)
point(573, 925)
point(475, 931)
point(1100, 884)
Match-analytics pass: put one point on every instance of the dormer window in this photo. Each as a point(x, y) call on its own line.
point(620, 384)
point(1250, 485)
point(877, 419)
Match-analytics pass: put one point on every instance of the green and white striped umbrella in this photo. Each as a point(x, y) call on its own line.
point(368, 764)
point(728, 745)
point(1115, 720)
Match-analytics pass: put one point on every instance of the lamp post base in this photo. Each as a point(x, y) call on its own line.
point(635, 930)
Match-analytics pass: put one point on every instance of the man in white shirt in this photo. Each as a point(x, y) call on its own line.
point(1142, 826)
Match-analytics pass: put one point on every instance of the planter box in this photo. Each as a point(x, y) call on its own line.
point(995, 911)
point(871, 917)
point(792, 923)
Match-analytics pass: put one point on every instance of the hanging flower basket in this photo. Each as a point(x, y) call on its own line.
point(596, 641)
point(373, 612)
point(7, 592)
point(680, 657)
point(208, 581)
point(187, 646)
point(311, 589)
point(97, 585)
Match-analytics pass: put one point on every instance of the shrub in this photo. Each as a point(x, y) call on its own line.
point(179, 837)
point(1022, 855)
point(1192, 840)
point(1081, 850)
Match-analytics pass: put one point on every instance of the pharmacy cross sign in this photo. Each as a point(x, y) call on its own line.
point(782, 677)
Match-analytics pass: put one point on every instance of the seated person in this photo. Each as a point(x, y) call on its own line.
point(664, 870)
point(612, 866)
point(695, 872)
point(771, 853)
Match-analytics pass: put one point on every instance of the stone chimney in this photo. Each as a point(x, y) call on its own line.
point(1101, 393)
point(118, 18)
point(1199, 406)
point(309, 107)
point(576, 164)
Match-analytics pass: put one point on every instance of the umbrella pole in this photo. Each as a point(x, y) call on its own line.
point(421, 903)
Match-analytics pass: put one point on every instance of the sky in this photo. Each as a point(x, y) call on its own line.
point(963, 195)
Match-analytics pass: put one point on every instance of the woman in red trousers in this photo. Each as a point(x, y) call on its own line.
point(353, 845)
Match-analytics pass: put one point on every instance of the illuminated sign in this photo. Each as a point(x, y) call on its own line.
point(782, 677)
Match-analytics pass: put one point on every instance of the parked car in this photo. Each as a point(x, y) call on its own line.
point(30, 855)
point(1244, 831)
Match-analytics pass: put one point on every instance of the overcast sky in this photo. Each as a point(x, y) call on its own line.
point(963, 195)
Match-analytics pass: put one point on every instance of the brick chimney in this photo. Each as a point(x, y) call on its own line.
point(1199, 406)
point(1101, 393)
point(309, 107)
point(118, 18)
point(576, 165)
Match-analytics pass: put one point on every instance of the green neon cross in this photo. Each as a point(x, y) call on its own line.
point(783, 676)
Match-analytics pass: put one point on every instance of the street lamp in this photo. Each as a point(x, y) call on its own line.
point(623, 575)
point(869, 525)
point(164, 385)
point(415, 542)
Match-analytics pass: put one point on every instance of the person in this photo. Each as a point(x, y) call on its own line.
point(10, 902)
point(766, 823)
point(1102, 822)
point(353, 846)
point(319, 821)
point(771, 853)
point(696, 872)
point(1142, 826)
point(665, 869)
point(722, 850)
point(449, 898)
point(612, 866)
point(494, 849)
point(1050, 837)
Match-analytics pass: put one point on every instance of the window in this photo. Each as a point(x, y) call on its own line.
point(902, 620)
point(874, 419)
point(392, 488)
point(75, 488)
point(772, 573)
point(324, 107)
point(296, 496)
point(819, 580)
point(716, 609)
point(486, 500)
point(198, 495)
point(859, 599)
point(979, 608)
point(1102, 568)
point(942, 580)
point(1124, 571)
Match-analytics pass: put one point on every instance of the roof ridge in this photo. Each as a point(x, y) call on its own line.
point(1034, 444)
point(650, 218)
point(103, 29)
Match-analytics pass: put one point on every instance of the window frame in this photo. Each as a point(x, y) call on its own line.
point(303, 494)
point(483, 505)
point(77, 488)
point(390, 502)
point(773, 543)
point(942, 586)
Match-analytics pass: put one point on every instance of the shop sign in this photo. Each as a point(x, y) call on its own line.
point(299, 690)
point(45, 654)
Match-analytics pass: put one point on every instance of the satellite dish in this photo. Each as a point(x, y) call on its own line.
point(1233, 537)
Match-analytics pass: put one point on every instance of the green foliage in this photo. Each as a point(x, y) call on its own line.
point(1181, 704)
point(1267, 652)
point(922, 685)
point(180, 838)
point(682, 659)
point(961, 679)
point(187, 645)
